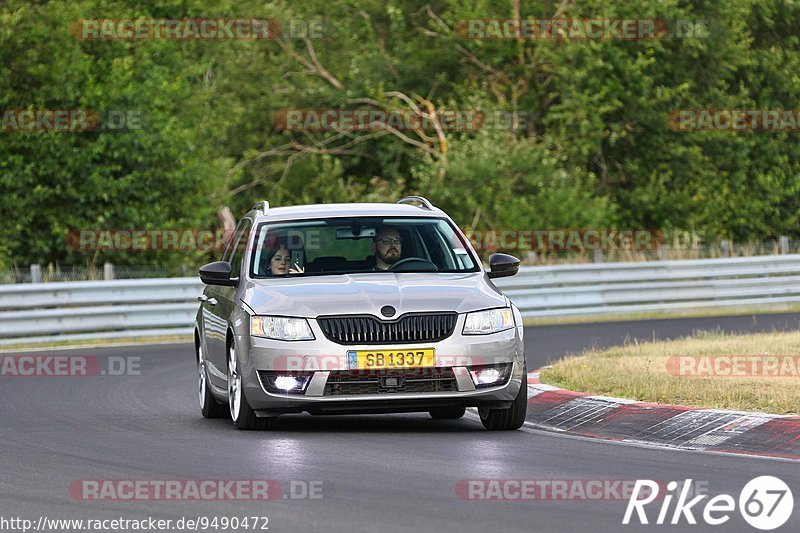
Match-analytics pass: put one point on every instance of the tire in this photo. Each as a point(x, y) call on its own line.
point(511, 418)
point(447, 413)
point(209, 406)
point(242, 415)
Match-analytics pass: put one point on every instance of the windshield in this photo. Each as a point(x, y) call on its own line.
point(359, 245)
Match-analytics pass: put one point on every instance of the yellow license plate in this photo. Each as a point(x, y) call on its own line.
point(392, 358)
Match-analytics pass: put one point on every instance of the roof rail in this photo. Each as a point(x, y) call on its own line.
point(263, 205)
point(412, 200)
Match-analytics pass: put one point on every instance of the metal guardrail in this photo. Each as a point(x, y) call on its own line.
point(89, 310)
point(614, 288)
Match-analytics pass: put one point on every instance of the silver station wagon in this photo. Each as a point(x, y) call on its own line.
point(357, 308)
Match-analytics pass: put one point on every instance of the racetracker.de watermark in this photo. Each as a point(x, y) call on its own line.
point(734, 366)
point(42, 365)
point(140, 240)
point(553, 489)
point(75, 120)
point(396, 119)
point(334, 362)
point(582, 29)
point(249, 29)
point(566, 239)
point(686, 120)
point(195, 489)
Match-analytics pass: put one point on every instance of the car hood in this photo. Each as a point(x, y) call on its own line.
point(367, 293)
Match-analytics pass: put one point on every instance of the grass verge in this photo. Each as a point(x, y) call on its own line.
point(650, 372)
point(678, 313)
point(125, 341)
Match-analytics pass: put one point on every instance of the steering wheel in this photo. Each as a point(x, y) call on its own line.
point(418, 264)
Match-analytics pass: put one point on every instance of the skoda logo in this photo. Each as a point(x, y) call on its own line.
point(388, 310)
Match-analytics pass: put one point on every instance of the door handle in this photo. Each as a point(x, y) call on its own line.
point(211, 301)
point(202, 298)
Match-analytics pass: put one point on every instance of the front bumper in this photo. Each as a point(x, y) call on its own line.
point(322, 357)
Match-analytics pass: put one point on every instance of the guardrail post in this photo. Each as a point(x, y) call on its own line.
point(662, 252)
point(725, 247)
point(108, 271)
point(783, 245)
point(36, 273)
point(597, 257)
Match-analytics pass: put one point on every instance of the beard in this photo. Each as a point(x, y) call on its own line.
point(389, 259)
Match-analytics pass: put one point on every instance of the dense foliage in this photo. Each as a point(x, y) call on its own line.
point(590, 146)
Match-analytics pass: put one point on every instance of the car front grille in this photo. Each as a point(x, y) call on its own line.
point(414, 380)
point(429, 327)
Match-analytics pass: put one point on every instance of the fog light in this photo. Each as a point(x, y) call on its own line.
point(490, 375)
point(486, 376)
point(285, 383)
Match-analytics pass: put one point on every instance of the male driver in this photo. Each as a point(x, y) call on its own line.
point(387, 247)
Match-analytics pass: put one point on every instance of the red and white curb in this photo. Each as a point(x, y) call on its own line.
point(671, 426)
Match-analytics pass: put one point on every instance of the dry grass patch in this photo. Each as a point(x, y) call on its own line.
point(109, 342)
point(674, 313)
point(645, 372)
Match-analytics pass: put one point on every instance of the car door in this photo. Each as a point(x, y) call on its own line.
point(226, 301)
point(219, 305)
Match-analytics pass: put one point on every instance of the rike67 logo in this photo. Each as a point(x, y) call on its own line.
point(765, 503)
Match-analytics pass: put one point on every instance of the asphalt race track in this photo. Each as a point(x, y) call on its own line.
point(377, 473)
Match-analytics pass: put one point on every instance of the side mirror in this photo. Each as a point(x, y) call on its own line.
point(217, 273)
point(502, 265)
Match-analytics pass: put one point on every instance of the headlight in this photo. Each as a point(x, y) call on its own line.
point(489, 321)
point(281, 328)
